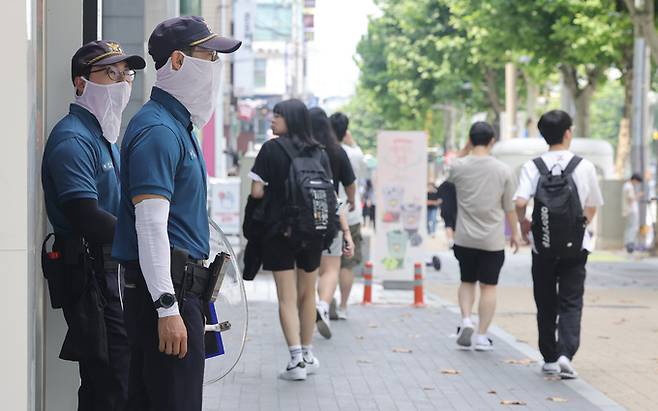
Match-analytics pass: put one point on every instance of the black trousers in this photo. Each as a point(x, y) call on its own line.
point(160, 382)
point(104, 386)
point(558, 285)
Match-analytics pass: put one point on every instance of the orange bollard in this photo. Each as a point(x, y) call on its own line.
point(367, 283)
point(418, 286)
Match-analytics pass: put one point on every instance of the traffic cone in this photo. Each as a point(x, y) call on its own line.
point(367, 283)
point(418, 286)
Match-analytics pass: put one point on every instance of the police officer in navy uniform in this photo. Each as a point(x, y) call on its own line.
point(81, 185)
point(164, 209)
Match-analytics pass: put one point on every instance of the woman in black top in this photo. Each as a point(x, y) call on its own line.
point(295, 288)
point(342, 244)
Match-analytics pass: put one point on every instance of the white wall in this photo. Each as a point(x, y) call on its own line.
point(14, 310)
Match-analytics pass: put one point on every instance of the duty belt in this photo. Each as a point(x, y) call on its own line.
point(193, 274)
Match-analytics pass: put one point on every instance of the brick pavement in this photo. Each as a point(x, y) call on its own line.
point(360, 370)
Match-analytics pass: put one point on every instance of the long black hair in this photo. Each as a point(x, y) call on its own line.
point(298, 121)
point(324, 134)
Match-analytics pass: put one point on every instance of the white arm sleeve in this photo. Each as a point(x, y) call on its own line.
point(151, 216)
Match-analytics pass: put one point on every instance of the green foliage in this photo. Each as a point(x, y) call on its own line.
point(421, 55)
point(607, 107)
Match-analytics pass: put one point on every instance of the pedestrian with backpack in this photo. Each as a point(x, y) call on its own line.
point(342, 243)
point(566, 196)
point(485, 187)
point(293, 171)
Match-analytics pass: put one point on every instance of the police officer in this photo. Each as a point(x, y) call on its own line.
point(81, 185)
point(163, 209)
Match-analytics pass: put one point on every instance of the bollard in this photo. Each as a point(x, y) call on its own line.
point(367, 283)
point(418, 286)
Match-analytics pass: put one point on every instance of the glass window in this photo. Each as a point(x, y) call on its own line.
point(273, 22)
point(260, 72)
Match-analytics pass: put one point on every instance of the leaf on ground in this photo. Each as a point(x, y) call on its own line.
point(363, 361)
point(553, 378)
point(492, 392)
point(603, 337)
point(449, 371)
point(620, 321)
point(428, 388)
point(524, 361)
point(521, 341)
point(405, 315)
point(360, 337)
point(557, 399)
point(372, 325)
point(414, 336)
point(513, 402)
point(402, 350)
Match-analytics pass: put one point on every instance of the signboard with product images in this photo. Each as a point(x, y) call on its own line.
point(224, 202)
point(401, 212)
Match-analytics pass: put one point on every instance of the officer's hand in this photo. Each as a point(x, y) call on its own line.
point(173, 336)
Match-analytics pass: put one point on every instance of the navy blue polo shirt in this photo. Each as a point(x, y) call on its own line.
point(160, 155)
point(79, 163)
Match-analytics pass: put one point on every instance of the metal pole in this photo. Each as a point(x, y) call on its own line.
point(640, 113)
point(510, 102)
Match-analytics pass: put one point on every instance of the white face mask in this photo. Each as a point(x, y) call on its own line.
point(106, 102)
point(195, 85)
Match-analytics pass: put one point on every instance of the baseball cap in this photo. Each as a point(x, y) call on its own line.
point(183, 32)
point(101, 53)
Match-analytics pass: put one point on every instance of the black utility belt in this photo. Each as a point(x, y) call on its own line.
point(189, 275)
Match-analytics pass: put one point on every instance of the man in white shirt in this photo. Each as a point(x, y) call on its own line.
point(340, 124)
point(559, 283)
point(631, 210)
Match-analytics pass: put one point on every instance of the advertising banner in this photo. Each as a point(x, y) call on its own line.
point(224, 196)
point(401, 193)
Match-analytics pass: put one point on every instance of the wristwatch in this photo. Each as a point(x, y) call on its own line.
point(166, 300)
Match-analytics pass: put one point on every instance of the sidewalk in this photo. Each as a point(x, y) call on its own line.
point(366, 365)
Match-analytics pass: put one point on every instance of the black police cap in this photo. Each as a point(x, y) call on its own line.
point(180, 33)
point(102, 53)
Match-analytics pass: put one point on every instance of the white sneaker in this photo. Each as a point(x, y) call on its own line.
point(341, 313)
point(294, 372)
point(333, 314)
point(322, 320)
point(312, 365)
point(567, 371)
point(464, 334)
point(483, 343)
point(551, 368)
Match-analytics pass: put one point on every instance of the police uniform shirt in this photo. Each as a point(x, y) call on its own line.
point(584, 176)
point(161, 156)
point(78, 163)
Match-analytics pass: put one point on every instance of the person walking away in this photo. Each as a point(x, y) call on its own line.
point(162, 230)
point(485, 188)
point(340, 125)
point(342, 244)
point(448, 197)
point(566, 196)
point(81, 186)
point(631, 211)
point(433, 203)
point(294, 256)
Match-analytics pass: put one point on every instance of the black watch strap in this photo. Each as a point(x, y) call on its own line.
point(166, 300)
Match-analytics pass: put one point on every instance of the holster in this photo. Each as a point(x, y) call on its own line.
point(71, 271)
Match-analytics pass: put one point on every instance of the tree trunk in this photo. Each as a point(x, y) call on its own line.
point(532, 95)
point(491, 89)
point(583, 102)
point(582, 95)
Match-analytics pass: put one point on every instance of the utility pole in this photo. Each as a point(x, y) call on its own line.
point(640, 116)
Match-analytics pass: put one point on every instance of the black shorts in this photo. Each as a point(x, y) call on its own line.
point(479, 265)
point(280, 254)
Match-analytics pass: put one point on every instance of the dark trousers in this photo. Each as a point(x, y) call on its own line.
point(104, 386)
point(160, 382)
point(558, 285)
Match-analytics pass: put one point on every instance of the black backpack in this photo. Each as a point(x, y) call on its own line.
point(558, 223)
point(311, 203)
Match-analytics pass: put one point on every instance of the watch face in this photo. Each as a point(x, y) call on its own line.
point(167, 300)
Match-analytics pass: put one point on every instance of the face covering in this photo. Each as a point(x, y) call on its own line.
point(195, 85)
point(106, 102)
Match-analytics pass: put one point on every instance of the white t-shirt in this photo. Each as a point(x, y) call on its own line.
point(584, 176)
point(356, 157)
point(629, 201)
